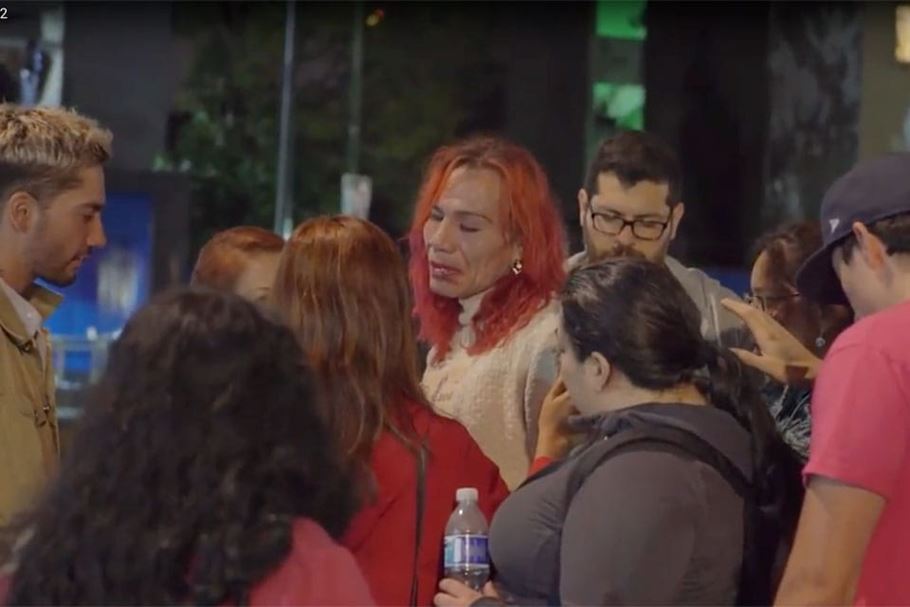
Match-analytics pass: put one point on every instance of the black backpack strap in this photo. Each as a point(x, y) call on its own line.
point(418, 521)
point(657, 438)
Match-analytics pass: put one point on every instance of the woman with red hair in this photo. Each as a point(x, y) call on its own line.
point(240, 260)
point(343, 288)
point(487, 255)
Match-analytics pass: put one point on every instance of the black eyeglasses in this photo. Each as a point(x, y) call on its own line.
point(766, 302)
point(612, 225)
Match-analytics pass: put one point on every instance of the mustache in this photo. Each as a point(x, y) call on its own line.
point(619, 250)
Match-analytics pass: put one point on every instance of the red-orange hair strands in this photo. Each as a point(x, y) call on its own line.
point(531, 216)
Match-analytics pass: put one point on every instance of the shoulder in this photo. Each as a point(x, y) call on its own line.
point(644, 472)
point(885, 333)
point(316, 571)
point(445, 434)
point(694, 279)
point(540, 331)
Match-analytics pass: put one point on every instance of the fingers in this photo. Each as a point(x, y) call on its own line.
point(747, 313)
point(765, 364)
point(454, 593)
point(557, 389)
point(758, 321)
point(490, 590)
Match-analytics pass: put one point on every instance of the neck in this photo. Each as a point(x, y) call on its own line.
point(902, 293)
point(631, 396)
point(13, 272)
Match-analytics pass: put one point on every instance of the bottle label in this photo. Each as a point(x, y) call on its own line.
point(461, 550)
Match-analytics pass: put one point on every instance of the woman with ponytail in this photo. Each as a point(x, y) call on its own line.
point(692, 497)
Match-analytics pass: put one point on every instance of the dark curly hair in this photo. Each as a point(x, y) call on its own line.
point(202, 444)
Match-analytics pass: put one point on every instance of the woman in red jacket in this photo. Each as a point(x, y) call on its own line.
point(343, 289)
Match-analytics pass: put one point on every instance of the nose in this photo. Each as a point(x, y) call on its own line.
point(625, 236)
point(96, 236)
point(439, 235)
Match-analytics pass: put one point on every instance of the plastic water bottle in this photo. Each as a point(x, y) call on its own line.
point(465, 557)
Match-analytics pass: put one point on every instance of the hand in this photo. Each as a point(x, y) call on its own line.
point(554, 437)
point(780, 355)
point(456, 594)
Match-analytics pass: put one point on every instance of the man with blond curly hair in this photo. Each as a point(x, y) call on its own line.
point(51, 197)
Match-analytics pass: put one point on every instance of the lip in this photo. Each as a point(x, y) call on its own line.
point(443, 272)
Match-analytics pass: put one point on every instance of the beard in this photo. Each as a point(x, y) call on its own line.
point(46, 260)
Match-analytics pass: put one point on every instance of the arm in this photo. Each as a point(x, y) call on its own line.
point(482, 473)
point(630, 532)
point(835, 527)
point(542, 374)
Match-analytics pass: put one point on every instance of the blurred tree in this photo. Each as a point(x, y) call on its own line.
point(430, 74)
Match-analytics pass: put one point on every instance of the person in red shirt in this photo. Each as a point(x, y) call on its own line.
point(343, 289)
point(202, 473)
point(853, 540)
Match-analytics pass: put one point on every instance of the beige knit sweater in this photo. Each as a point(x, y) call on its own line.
point(497, 395)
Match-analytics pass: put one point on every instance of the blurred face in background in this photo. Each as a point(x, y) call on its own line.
point(254, 283)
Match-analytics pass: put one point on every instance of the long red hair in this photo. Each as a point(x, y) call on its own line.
point(343, 289)
point(529, 213)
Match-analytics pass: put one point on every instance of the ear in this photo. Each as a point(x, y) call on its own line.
point(676, 215)
point(517, 251)
point(598, 371)
point(582, 206)
point(21, 210)
point(872, 249)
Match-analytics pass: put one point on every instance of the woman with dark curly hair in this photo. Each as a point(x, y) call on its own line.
point(779, 255)
point(202, 474)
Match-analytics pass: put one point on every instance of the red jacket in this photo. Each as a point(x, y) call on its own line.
point(382, 534)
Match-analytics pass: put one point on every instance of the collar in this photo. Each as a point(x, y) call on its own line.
point(469, 307)
point(14, 310)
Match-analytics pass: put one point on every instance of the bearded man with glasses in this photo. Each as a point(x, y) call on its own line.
point(631, 205)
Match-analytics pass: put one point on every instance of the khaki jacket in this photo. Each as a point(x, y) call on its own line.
point(29, 439)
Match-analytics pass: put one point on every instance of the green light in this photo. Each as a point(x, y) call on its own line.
point(623, 104)
point(623, 19)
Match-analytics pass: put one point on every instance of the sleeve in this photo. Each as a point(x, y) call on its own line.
point(630, 532)
point(859, 420)
point(539, 464)
point(542, 372)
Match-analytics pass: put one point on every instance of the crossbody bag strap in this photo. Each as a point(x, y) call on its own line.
point(418, 520)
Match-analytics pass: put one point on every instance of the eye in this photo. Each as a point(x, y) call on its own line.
point(469, 229)
point(436, 215)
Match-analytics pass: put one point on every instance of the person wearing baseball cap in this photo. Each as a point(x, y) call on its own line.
point(853, 540)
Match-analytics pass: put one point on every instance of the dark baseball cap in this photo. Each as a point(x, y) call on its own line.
point(870, 191)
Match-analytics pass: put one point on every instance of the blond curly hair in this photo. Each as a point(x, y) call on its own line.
point(42, 149)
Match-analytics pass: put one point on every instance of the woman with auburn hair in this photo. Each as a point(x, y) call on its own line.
point(487, 255)
point(240, 260)
point(343, 289)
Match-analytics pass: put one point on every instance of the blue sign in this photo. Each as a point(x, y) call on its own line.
point(112, 283)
